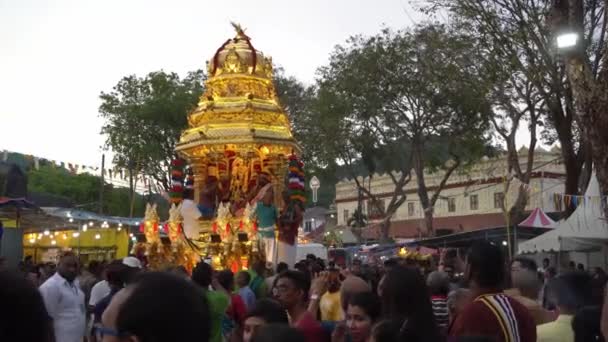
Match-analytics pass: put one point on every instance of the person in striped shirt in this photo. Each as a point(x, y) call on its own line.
point(491, 313)
point(439, 285)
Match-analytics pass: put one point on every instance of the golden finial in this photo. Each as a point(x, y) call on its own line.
point(240, 31)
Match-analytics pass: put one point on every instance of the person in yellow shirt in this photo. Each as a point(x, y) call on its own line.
point(572, 292)
point(330, 304)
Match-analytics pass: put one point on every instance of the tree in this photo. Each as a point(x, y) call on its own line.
point(395, 98)
point(518, 39)
point(587, 69)
point(298, 101)
point(83, 191)
point(144, 118)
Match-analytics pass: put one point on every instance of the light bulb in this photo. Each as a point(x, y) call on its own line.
point(71, 220)
point(75, 234)
point(119, 229)
point(46, 232)
point(97, 236)
point(32, 240)
point(53, 242)
point(84, 229)
point(134, 239)
point(567, 40)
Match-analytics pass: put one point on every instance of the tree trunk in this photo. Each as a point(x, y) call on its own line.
point(592, 98)
point(423, 194)
point(572, 162)
point(385, 227)
point(517, 211)
point(131, 193)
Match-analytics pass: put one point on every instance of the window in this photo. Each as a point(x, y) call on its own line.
point(346, 216)
point(452, 204)
point(474, 202)
point(499, 200)
point(410, 208)
point(308, 226)
point(373, 212)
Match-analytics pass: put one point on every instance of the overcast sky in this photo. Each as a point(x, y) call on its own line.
point(56, 56)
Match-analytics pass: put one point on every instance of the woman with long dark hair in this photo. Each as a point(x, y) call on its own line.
point(405, 297)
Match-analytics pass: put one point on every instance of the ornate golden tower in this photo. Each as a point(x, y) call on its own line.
point(238, 140)
point(238, 115)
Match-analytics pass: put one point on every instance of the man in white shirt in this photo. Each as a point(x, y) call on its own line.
point(64, 301)
point(191, 216)
point(100, 290)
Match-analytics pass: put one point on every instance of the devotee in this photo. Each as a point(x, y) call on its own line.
point(117, 275)
point(281, 267)
point(330, 304)
point(242, 281)
point(385, 331)
point(362, 313)
point(157, 307)
point(278, 333)
point(457, 301)
point(525, 288)
point(257, 283)
point(486, 315)
point(292, 291)
point(405, 298)
point(266, 311)
point(64, 301)
point(586, 325)
point(572, 292)
point(237, 310)
point(267, 215)
point(547, 302)
point(439, 286)
point(290, 220)
point(218, 299)
point(23, 316)
point(91, 276)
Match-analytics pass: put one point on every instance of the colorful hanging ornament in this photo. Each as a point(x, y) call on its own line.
point(177, 176)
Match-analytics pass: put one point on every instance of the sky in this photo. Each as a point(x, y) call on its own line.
point(57, 56)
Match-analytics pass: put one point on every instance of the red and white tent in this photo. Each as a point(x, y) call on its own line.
point(538, 219)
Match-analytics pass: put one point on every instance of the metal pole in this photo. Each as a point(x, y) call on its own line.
point(507, 218)
point(103, 173)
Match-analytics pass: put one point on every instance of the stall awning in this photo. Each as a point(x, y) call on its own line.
point(538, 219)
point(585, 230)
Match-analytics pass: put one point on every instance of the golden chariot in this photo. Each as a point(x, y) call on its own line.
point(238, 139)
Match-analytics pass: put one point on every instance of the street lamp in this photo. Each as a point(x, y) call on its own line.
point(566, 40)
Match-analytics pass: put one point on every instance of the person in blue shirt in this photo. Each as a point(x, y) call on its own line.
point(267, 215)
point(242, 281)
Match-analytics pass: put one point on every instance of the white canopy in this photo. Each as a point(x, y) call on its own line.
point(584, 230)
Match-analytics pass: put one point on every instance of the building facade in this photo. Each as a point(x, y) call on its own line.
point(472, 199)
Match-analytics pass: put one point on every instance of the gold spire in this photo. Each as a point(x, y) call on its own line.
point(240, 31)
point(239, 105)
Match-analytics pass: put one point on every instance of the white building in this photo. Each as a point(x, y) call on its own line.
point(472, 198)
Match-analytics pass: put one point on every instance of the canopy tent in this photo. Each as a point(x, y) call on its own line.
point(585, 230)
point(538, 219)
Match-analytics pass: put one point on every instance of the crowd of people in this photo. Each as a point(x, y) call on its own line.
point(480, 296)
